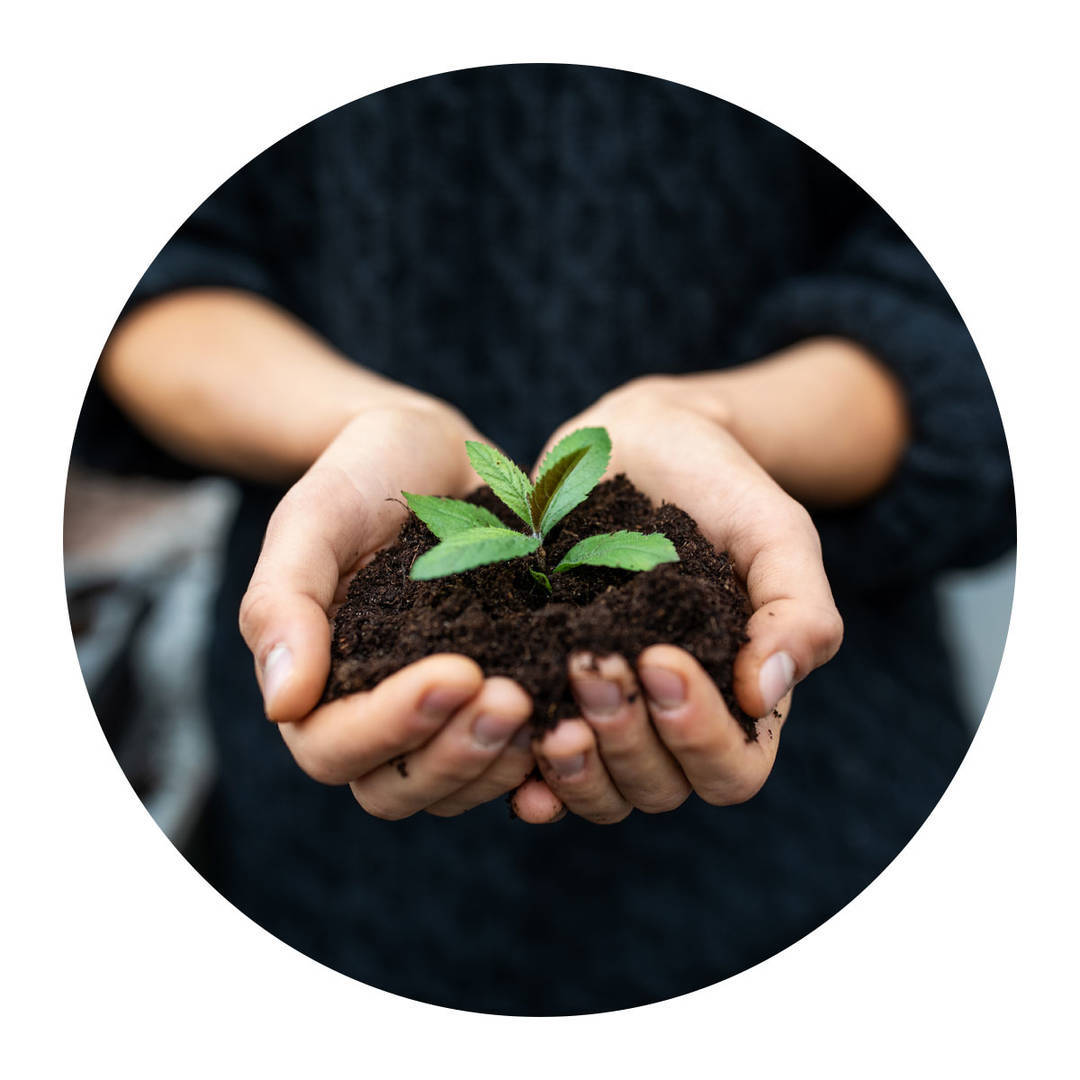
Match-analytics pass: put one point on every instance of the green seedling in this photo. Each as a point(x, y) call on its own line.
point(470, 536)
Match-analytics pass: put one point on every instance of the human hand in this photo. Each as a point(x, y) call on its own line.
point(457, 728)
point(651, 734)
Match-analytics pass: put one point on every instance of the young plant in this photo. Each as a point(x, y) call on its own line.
point(471, 536)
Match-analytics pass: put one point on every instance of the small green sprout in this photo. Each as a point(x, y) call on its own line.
point(471, 536)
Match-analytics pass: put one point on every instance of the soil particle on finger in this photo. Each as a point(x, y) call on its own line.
point(500, 617)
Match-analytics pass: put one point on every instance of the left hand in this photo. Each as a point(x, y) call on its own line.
point(435, 735)
point(652, 733)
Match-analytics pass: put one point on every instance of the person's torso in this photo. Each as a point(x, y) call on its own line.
point(518, 240)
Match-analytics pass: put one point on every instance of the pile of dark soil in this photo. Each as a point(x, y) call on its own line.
point(509, 625)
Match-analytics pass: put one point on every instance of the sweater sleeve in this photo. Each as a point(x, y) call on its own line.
point(228, 242)
point(950, 502)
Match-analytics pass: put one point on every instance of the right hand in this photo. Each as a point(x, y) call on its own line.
point(465, 736)
point(656, 727)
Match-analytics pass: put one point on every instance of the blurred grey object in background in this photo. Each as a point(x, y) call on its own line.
point(976, 607)
point(142, 565)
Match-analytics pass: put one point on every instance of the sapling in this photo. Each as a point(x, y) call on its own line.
point(470, 536)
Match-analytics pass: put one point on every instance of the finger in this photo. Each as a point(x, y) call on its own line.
point(570, 764)
point(795, 627)
point(641, 767)
point(344, 508)
point(534, 802)
point(351, 736)
point(691, 718)
point(457, 754)
point(318, 531)
point(508, 771)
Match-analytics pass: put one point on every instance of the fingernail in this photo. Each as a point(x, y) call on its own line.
point(568, 767)
point(439, 703)
point(775, 679)
point(490, 731)
point(666, 689)
point(598, 696)
point(276, 670)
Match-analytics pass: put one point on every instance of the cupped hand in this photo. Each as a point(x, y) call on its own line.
point(651, 733)
point(434, 736)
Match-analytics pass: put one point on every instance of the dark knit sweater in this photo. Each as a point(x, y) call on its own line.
point(519, 240)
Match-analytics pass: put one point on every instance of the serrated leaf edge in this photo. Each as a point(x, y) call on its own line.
point(543, 489)
point(557, 451)
point(514, 478)
point(597, 441)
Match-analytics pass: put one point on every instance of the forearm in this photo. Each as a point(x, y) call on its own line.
point(228, 381)
point(824, 418)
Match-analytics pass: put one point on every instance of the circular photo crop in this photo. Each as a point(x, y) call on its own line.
point(538, 539)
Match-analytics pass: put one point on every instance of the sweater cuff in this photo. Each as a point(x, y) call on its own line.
point(187, 262)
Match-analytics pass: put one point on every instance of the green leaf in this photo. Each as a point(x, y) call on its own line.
point(623, 550)
point(504, 478)
point(541, 578)
point(444, 517)
point(569, 471)
point(471, 548)
point(548, 485)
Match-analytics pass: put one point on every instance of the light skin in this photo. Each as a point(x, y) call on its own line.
point(821, 422)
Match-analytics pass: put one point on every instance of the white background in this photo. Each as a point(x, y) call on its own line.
point(119, 119)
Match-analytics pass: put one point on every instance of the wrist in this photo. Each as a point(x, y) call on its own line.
point(226, 380)
point(824, 418)
point(328, 397)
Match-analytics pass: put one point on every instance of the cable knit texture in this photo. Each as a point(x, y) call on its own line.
point(519, 240)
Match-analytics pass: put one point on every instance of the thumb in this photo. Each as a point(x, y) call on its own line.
point(289, 636)
point(795, 627)
point(788, 639)
point(312, 538)
point(337, 513)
